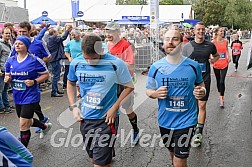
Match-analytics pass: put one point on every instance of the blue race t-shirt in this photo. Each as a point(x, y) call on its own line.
point(74, 48)
point(29, 68)
point(98, 83)
point(12, 151)
point(179, 110)
point(37, 48)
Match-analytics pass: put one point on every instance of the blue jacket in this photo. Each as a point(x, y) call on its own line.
point(55, 46)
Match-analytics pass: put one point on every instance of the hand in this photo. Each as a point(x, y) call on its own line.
point(29, 82)
point(199, 92)
point(70, 59)
point(69, 28)
point(211, 61)
point(161, 93)
point(229, 59)
point(111, 115)
point(1, 73)
point(48, 25)
point(77, 114)
point(7, 79)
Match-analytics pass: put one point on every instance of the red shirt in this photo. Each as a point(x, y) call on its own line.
point(123, 50)
point(236, 47)
point(185, 40)
point(223, 52)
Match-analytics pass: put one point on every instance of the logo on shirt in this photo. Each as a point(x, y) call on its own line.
point(20, 73)
point(92, 78)
point(175, 82)
point(11, 66)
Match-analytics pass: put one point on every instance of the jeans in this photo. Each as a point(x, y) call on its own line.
point(4, 101)
point(56, 68)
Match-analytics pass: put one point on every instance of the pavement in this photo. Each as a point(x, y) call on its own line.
point(226, 142)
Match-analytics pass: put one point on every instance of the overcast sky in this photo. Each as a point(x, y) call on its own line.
point(58, 9)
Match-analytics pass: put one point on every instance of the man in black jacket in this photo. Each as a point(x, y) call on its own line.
point(56, 48)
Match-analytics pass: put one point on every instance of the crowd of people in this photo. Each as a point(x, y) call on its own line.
point(99, 69)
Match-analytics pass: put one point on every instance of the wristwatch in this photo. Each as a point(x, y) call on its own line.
point(35, 82)
point(72, 107)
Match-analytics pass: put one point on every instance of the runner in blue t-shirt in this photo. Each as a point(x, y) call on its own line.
point(24, 71)
point(37, 48)
point(12, 152)
point(98, 75)
point(176, 82)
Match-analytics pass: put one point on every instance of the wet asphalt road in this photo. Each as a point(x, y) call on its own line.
point(227, 138)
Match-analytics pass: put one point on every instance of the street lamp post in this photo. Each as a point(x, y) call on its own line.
point(25, 4)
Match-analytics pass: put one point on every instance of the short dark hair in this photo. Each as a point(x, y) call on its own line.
point(25, 24)
point(8, 24)
point(199, 23)
point(91, 44)
point(52, 31)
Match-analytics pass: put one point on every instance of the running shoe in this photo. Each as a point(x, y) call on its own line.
point(13, 107)
point(7, 110)
point(221, 104)
point(135, 138)
point(198, 139)
point(43, 132)
point(45, 120)
point(235, 70)
point(2, 111)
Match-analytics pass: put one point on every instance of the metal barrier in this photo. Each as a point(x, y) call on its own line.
point(143, 57)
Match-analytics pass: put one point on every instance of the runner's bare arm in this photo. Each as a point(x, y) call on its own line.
point(227, 53)
point(214, 58)
point(160, 93)
point(68, 56)
point(47, 59)
point(71, 86)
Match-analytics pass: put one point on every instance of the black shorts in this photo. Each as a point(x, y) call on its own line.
point(99, 140)
point(26, 110)
point(178, 141)
point(207, 86)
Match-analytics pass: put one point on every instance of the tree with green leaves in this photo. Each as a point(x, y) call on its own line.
point(228, 13)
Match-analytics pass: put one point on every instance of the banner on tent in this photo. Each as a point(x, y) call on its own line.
point(138, 18)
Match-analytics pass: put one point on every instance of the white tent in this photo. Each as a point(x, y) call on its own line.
point(167, 13)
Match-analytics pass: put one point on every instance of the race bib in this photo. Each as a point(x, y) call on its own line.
point(222, 55)
point(177, 103)
point(236, 50)
point(18, 85)
point(203, 67)
point(93, 100)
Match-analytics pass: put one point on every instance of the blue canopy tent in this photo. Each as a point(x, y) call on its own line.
point(43, 19)
point(191, 21)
